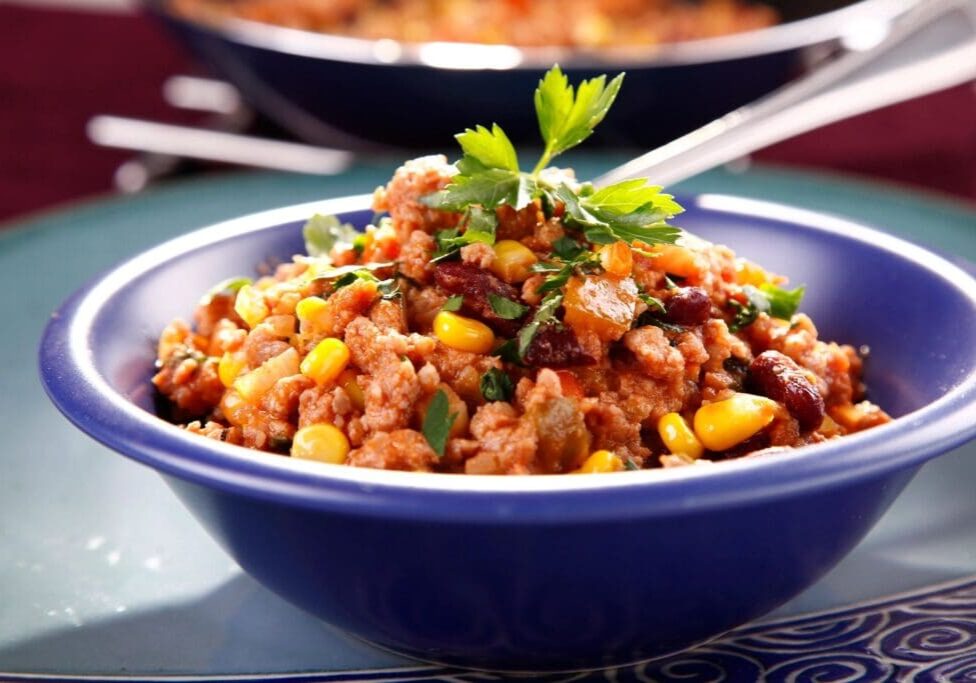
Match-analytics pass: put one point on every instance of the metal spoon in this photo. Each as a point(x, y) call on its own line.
point(929, 47)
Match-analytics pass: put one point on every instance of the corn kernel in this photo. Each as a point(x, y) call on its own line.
point(463, 334)
point(678, 436)
point(347, 380)
point(250, 305)
point(326, 361)
point(230, 366)
point(601, 461)
point(512, 261)
point(310, 308)
point(617, 259)
point(256, 383)
point(321, 442)
point(724, 424)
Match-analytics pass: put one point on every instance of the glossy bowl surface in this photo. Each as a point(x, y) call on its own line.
point(545, 572)
point(341, 91)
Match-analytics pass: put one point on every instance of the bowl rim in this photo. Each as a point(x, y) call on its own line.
point(85, 397)
point(869, 15)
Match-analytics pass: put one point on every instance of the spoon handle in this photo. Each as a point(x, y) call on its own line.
point(927, 48)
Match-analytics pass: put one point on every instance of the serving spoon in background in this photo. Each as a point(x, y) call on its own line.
point(930, 45)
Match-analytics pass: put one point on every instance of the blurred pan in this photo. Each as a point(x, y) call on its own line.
point(341, 91)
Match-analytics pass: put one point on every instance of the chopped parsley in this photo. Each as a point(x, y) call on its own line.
point(768, 299)
point(783, 303)
point(544, 315)
point(453, 303)
point(496, 385)
point(506, 308)
point(388, 289)
point(322, 233)
point(489, 175)
point(437, 422)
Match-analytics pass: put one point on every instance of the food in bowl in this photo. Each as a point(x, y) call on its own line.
point(593, 23)
point(502, 322)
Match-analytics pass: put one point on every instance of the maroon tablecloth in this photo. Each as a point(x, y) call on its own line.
point(59, 67)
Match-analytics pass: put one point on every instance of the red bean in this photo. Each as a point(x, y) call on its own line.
point(475, 284)
point(778, 376)
point(688, 306)
point(556, 347)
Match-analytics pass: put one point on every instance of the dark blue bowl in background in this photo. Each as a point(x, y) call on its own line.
point(543, 572)
point(341, 91)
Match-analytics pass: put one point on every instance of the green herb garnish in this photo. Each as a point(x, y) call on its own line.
point(322, 233)
point(783, 303)
point(453, 303)
point(388, 289)
point(545, 314)
point(496, 385)
point(489, 175)
point(506, 308)
point(437, 422)
point(654, 304)
point(567, 118)
point(768, 299)
point(230, 285)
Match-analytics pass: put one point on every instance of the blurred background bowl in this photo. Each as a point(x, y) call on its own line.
point(542, 572)
point(341, 91)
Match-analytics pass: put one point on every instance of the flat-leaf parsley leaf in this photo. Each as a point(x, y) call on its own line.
point(437, 422)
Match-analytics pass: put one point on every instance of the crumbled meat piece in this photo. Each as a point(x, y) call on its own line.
point(478, 254)
point(507, 443)
point(401, 449)
point(401, 197)
point(414, 261)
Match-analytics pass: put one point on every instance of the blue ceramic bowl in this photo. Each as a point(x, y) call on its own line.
point(545, 572)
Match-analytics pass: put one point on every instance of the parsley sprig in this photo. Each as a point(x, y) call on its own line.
point(489, 175)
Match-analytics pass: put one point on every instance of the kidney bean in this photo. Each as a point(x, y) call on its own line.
point(556, 347)
point(688, 306)
point(475, 284)
point(777, 376)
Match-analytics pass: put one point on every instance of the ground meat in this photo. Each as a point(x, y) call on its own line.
point(216, 431)
point(208, 315)
point(282, 399)
point(517, 225)
point(325, 405)
point(423, 305)
point(401, 196)
point(462, 371)
point(263, 343)
point(414, 261)
point(478, 254)
point(507, 443)
point(190, 381)
point(654, 353)
point(612, 430)
point(390, 386)
point(401, 449)
point(646, 399)
point(389, 314)
point(344, 306)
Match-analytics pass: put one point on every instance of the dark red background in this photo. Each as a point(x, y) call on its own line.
point(58, 68)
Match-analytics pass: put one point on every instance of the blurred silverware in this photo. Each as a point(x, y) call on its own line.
point(930, 47)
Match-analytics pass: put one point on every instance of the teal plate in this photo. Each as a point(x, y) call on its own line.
point(104, 575)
